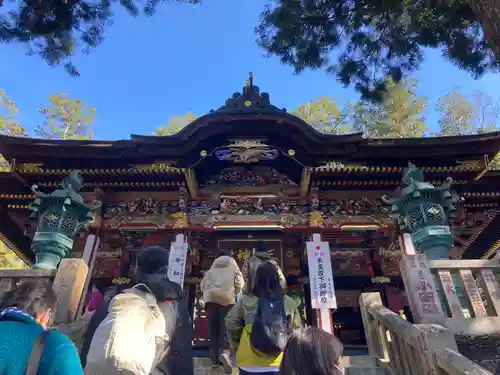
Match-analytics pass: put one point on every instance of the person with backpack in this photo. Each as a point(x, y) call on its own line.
point(251, 264)
point(27, 346)
point(220, 286)
point(259, 324)
point(146, 329)
point(312, 351)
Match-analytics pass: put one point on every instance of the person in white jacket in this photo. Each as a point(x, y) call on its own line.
point(220, 286)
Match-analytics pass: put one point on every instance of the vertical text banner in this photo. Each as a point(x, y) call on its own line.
point(177, 260)
point(320, 274)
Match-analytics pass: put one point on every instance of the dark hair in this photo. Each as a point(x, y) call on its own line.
point(152, 259)
point(34, 297)
point(311, 351)
point(267, 282)
point(260, 247)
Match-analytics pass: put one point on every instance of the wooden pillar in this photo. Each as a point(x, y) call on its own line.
point(69, 286)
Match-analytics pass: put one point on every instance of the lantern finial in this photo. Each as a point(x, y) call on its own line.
point(58, 217)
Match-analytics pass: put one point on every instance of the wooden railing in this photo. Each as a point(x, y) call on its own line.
point(411, 349)
point(478, 282)
point(68, 283)
point(9, 278)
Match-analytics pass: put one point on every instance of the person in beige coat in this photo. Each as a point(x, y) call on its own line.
point(220, 286)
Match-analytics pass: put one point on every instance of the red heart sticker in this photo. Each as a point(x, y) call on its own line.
point(318, 247)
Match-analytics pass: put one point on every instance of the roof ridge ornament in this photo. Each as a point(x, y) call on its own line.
point(249, 100)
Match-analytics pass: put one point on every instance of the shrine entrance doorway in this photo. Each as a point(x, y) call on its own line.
point(243, 247)
point(242, 244)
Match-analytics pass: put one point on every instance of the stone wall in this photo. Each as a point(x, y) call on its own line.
point(482, 349)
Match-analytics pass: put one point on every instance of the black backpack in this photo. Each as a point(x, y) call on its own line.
point(270, 329)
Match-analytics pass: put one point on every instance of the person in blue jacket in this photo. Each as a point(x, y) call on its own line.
point(25, 314)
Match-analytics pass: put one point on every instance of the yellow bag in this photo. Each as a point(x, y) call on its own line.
point(248, 356)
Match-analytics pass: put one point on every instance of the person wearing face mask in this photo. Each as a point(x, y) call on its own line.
point(27, 346)
point(312, 351)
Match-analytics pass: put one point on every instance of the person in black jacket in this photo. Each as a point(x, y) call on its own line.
point(151, 269)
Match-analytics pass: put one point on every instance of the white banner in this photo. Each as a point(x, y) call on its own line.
point(320, 274)
point(177, 260)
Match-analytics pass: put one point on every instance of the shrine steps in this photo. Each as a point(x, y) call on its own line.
point(362, 365)
point(354, 365)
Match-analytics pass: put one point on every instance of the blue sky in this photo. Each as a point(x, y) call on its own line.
point(189, 58)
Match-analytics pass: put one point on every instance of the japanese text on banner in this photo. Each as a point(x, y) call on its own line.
point(177, 261)
point(321, 276)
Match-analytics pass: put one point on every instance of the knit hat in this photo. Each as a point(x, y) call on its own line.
point(260, 247)
point(152, 258)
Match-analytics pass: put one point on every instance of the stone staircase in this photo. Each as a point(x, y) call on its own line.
point(354, 365)
point(362, 365)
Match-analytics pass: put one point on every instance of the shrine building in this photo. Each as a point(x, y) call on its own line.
point(248, 172)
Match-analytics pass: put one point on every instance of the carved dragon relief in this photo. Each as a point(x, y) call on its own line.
point(246, 152)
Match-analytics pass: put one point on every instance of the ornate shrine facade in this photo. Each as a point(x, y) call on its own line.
point(249, 172)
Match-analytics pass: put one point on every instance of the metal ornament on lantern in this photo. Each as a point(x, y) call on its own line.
point(59, 217)
point(423, 210)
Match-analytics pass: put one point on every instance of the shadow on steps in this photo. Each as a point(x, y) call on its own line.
point(354, 365)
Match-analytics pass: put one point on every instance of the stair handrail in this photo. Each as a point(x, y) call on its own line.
point(411, 349)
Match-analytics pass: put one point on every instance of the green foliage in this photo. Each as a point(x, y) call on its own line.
point(324, 115)
point(486, 112)
point(360, 114)
point(9, 125)
point(400, 114)
point(175, 124)
point(461, 115)
point(362, 42)
point(66, 118)
point(487, 119)
point(495, 162)
point(457, 113)
point(56, 29)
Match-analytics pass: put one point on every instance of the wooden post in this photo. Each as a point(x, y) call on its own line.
point(491, 288)
point(69, 285)
point(475, 301)
point(323, 299)
point(421, 289)
point(406, 244)
point(450, 293)
point(92, 243)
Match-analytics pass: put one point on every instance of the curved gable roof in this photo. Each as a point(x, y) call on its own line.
point(249, 115)
point(240, 114)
